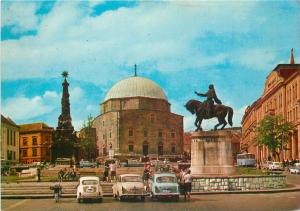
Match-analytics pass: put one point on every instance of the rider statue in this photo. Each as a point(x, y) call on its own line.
point(211, 99)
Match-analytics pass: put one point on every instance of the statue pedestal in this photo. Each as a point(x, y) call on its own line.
point(211, 153)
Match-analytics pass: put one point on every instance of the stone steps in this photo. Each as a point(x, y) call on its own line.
point(43, 190)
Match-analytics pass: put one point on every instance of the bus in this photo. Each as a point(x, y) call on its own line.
point(246, 159)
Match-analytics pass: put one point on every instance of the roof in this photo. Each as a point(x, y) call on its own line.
point(8, 121)
point(135, 87)
point(39, 126)
point(129, 175)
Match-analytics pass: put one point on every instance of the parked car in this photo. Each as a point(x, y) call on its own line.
point(295, 169)
point(86, 164)
point(129, 186)
point(89, 188)
point(276, 166)
point(266, 165)
point(164, 185)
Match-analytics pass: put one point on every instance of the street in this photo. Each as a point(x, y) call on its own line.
point(239, 202)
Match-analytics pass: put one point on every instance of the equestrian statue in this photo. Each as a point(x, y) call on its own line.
point(208, 109)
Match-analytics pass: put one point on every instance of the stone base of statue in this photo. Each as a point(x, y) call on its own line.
point(211, 153)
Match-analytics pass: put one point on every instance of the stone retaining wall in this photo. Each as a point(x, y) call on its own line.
point(234, 183)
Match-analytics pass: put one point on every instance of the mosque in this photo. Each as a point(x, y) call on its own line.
point(136, 119)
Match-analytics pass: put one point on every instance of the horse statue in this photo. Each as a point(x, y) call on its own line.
point(220, 111)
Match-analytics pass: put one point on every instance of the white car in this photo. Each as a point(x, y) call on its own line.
point(276, 166)
point(295, 169)
point(89, 188)
point(164, 185)
point(129, 186)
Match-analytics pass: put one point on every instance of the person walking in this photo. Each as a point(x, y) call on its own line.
point(105, 173)
point(187, 178)
point(38, 174)
point(113, 171)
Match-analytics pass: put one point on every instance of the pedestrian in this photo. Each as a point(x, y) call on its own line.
point(38, 173)
point(187, 178)
point(113, 170)
point(105, 173)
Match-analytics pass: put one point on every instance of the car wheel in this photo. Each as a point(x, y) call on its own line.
point(119, 197)
point(151, 195)
point(100, 200)
point(142, 198)
point(176, 198)
point(78, 200)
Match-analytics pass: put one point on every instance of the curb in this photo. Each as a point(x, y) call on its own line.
point(44, 196)
point(248, 191)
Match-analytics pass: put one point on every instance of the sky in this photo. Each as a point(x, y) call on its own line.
point(181, 45)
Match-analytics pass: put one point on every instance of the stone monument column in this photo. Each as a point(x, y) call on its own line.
point(211, 153)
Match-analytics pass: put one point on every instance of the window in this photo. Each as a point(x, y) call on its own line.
point(152, 118)
point(7, 136)
point(25, 153)
point(47, 152)
point(14, 139)
point(9, 157)
point(34, 140)
point(14, 156)
point(173, 134)
point(109, 134)
point(34, 152)
point(24, 141)
point(103, 123)
point(130, 148)
point(160, 134)
point(145, 133)
point(130, 132)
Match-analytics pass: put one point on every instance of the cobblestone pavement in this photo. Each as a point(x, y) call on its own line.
point(239, 202)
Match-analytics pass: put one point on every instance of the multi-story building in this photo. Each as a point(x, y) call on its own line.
point(35, 142)
point(281, 96)
point(136, 119)
point(9, 141)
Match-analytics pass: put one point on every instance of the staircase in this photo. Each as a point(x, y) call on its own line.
point(42, 190)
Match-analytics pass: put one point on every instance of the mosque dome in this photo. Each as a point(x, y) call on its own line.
point(135, 87)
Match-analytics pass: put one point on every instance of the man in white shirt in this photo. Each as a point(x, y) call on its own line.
point(187, 179)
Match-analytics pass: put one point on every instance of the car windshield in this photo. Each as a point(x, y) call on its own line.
point(89, 182)
point(166, 179)
point(132, 179)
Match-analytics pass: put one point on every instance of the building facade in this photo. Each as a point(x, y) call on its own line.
point(281, 96)
point(136, 119)
point(9, 141)
point(35, 142)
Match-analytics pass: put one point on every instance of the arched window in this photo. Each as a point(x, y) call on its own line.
point(130, 132)
point(173, 148)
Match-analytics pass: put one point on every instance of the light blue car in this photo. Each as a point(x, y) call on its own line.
point(164, 185)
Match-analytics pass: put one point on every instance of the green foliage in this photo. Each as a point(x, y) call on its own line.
point(87, 142)
point(274, 132)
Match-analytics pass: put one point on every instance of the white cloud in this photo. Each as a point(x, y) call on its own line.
point(20, 108)
point(76, 95)
point(19, 14)
point(159, 34)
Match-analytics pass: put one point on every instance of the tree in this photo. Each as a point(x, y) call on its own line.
point(274, 132)
point(88, 139)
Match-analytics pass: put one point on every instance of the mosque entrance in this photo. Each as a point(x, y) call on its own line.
point(160, 149)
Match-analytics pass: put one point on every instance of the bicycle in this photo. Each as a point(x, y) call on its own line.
point(57, 191)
